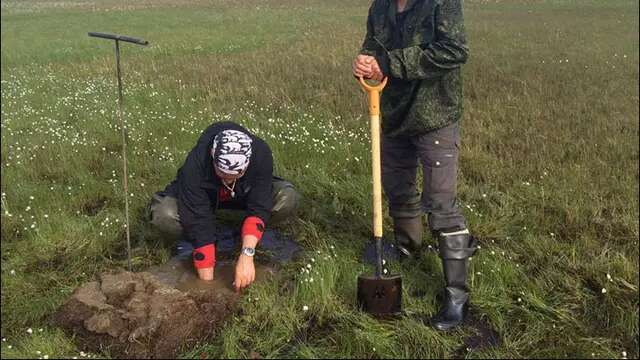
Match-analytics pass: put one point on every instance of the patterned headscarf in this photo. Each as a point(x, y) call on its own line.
point(231, 152)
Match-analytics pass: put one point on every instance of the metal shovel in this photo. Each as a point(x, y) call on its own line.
point(378, 295)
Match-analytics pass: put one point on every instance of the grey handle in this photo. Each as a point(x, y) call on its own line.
point(119, 38)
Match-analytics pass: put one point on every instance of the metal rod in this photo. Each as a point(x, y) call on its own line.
point(125, 173)
point(123, 128)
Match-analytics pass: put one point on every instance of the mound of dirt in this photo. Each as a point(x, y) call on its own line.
point(135, 315)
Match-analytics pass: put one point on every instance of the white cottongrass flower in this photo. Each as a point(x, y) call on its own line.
point(604, 291)
point(305, 308)
point(30, 330)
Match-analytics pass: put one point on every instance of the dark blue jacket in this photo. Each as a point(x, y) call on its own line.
point(196, 186)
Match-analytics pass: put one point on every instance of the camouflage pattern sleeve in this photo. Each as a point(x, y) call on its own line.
point(369, 45)
point(448, 50)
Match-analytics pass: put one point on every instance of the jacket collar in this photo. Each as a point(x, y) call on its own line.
point(392, 10)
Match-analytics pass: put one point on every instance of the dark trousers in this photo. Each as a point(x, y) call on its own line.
point(163, 207)
point(437, 153)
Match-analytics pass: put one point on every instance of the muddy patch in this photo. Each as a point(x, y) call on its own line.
point(180, 274)
point(152, 314)
point(484, 335)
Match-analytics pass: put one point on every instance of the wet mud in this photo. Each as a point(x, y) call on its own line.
point(151, 314)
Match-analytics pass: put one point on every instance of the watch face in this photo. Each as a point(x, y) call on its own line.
point(249, 251)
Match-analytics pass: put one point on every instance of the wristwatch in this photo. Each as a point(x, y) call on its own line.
point(248, 251)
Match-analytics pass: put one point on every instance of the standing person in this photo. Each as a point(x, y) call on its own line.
point(229, 168)
point(420, 46)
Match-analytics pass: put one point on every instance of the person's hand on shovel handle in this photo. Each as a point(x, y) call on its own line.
point(367, 67)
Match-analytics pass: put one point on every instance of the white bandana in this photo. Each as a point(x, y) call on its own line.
point(231, 151)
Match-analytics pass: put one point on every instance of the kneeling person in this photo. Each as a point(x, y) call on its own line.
point(229, 168)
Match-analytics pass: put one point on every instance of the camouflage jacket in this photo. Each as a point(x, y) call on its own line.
point(421, 51)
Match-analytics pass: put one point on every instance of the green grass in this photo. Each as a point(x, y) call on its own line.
point(548, 170)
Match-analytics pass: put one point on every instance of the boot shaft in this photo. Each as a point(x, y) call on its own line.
point(455, 249)
point(455, 273)
point(408, 233)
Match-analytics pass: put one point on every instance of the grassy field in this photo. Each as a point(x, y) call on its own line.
point(548, 169)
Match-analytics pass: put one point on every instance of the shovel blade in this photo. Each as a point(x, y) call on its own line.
point(380, 296)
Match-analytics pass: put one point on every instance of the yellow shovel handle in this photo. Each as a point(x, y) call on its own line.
point(374, 113)
point(374, 94)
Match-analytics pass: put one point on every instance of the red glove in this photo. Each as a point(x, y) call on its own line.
point(204, 256)
point(253, 225)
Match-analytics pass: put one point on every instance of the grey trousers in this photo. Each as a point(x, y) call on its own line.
point(437, 153)
point(163, 209)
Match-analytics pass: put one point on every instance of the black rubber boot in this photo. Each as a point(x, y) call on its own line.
point(455, 248)
point(408, 234)
point(456, 303)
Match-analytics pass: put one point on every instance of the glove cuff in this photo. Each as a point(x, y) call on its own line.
point(204, 256)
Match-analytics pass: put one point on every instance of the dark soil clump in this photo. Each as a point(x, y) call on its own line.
point(135, 315)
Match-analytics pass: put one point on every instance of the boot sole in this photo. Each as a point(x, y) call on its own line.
point(445, 328)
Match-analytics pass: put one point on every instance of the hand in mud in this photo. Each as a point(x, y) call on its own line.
point(245, 272)
point(205, 274)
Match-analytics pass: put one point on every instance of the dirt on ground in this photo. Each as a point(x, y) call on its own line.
point(147, 314)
